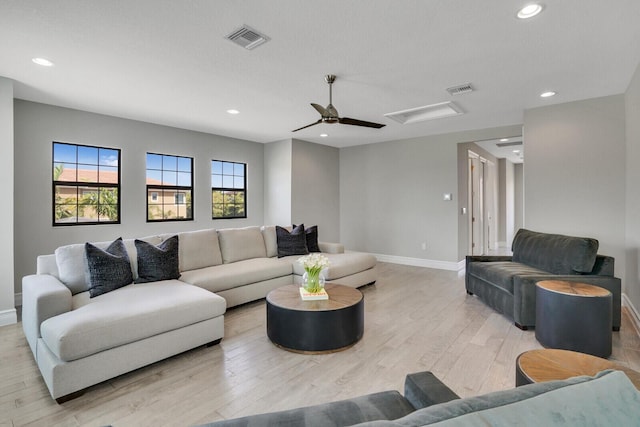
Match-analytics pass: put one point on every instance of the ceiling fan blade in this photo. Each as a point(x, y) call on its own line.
point(304, 127)
point(355, 122)
point(320, 109)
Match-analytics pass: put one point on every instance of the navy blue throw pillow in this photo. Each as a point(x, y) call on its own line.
point(157, 263)
point(107, 269)
point(294, 243)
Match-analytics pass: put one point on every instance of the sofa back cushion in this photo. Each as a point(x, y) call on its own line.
point(270, 240)
point(199, 249)
point(608, 399)
point(555, 253)
point(237, 244)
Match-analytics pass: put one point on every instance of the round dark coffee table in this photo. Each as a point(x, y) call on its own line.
point(315, 326)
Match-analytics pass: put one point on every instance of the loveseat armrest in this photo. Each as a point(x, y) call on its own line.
point(424, 389)
point(331, 248)
point(604, 266)
point(43, 297)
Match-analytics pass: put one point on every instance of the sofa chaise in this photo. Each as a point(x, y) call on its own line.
point(607, 399)
point(508, 283)
point(80, 337)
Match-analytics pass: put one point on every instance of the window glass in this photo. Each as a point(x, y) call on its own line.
point(86, 184)
point(228, 189)
point(169, 188)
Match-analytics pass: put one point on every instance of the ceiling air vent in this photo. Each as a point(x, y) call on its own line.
point(428, 112)
point(457, 90)
point(247, 37)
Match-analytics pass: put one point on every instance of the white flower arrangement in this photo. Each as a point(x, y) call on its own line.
point(313, 264)
point(314, 261)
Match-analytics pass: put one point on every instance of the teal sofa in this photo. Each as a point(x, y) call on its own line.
point(508, 283)
point(607, 399)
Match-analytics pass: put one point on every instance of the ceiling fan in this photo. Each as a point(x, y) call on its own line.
point(330, 114)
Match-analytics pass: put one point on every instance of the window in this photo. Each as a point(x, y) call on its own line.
point(86, 185)
point(169, 188)
point(228, 188)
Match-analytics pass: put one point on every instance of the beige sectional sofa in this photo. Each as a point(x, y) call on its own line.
point(80, 341)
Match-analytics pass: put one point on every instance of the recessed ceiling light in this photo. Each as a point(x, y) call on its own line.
point(516, 151)
point(529, 11)
point(324, 135)
point(232, 111)
point(547, 94)
point(42, 61)
point(504, 139)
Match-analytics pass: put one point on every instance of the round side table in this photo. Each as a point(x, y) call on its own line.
point(536, 366)
point(574, 316)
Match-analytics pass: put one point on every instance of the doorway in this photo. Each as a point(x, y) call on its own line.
point(482, 202)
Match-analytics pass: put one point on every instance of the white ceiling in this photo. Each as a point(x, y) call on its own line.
point(168, 62)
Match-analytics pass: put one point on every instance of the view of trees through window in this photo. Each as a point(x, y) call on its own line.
point(86, 184)
point(169, 187)
point(228, 188)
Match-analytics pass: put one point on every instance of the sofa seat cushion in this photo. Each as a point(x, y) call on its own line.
point(608, 399)
point(126, 315)
point(228, 276)
point(340, 265)
point(376, 406)
point(501, 273)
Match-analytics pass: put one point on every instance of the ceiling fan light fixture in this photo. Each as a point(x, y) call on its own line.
point(427, 112)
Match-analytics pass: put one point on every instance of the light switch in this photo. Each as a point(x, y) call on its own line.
point(447, 197)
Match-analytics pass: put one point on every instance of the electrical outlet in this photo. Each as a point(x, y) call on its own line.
point(424, 246)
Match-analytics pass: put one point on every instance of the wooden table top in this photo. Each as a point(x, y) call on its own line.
point(573, 288)
point(340, 297)
point(552, 364)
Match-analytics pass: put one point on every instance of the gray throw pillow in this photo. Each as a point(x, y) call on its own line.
point(157, 263)
point(294, 243)
point(311, 234)
point(107, 269)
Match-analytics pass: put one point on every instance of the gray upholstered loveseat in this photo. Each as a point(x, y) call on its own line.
point(80, 339)
point(507, 283)
point(607, 399)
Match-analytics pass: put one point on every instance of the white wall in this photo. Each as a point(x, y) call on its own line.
point(7, 304)
point(37, 125)
point(277, 182)
point(518, 200)
point(632, 273)
point(507, 203)
point(315, 188)
point(575, 172)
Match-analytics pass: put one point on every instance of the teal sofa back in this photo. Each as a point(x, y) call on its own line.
point(555, 253)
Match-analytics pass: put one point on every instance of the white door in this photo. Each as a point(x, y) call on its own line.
point(476, 200)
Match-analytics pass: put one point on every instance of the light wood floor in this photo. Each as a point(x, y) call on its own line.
point(415, 319)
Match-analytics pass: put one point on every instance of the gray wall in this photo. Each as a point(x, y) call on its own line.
point(518, 200)
point(37, 125)
point(391, 195)
point(506, 194)
point(575, 172)
point(632, 274)
point(315, 188)
point(7, 310)
point(302, 186)
point(277, 182)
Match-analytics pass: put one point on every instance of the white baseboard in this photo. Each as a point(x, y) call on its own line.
point(633, 312)
point(421, 262)
point(18, 299)
point(8, 317)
